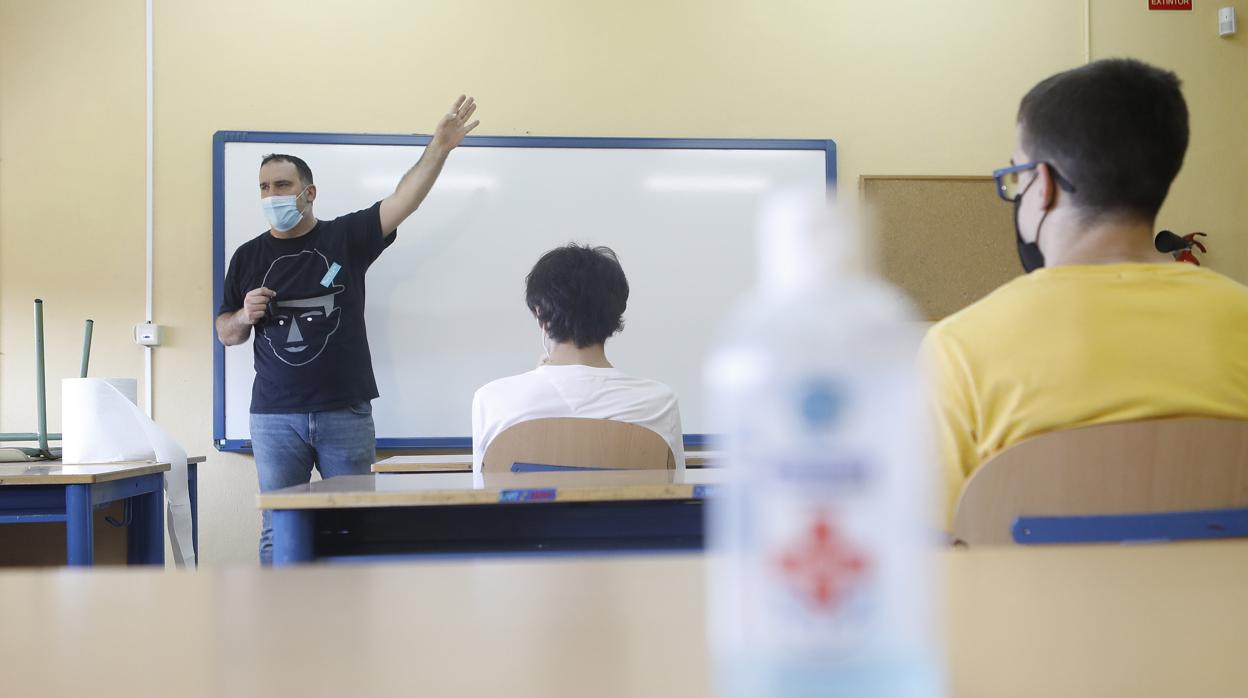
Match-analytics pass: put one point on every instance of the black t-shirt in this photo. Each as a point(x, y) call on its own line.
point(311, 350)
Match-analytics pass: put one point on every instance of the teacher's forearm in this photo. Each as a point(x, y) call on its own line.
point(231, 329)
point(413, 188)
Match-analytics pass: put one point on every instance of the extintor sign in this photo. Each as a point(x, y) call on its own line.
point(1169, 5)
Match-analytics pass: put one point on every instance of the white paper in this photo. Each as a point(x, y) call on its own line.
point(100, 423)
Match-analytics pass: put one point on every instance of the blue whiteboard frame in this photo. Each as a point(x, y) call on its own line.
point(220, 138)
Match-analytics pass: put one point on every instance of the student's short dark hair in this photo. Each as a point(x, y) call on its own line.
point(305, 172)
point(578, 293)
point(1116, 129)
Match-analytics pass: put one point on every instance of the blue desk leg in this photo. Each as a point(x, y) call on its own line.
point(192, 483)
point(292, 536)
point(146, 536)
point(79, 533)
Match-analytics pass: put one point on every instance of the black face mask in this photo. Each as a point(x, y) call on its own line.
point(1028, 252)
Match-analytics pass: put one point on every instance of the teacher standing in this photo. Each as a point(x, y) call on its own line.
point(300, 284)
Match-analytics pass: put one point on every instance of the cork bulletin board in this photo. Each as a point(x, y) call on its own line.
point(946, 241)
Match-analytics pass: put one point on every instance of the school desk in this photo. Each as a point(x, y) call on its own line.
point(444, 513)
point(44, 492)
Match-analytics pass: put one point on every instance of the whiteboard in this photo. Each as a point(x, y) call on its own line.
point(445, 303)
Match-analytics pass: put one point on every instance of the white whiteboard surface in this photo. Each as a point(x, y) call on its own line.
point(445, 303)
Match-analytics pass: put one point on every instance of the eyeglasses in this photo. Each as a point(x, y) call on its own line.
point(1008, 180)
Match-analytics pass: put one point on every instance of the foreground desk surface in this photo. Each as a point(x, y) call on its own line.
point(451, 513)
point(1137, 621)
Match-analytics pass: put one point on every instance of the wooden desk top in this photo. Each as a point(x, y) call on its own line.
point(1138, 621)
point(57, 473)
point(433, 489)
point(444, 463)
point(462, 463)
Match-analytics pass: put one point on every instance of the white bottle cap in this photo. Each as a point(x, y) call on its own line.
point(803, 240)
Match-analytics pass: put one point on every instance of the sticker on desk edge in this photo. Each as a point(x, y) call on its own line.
point(329, 275)
point(703, 491)
point(530, 495)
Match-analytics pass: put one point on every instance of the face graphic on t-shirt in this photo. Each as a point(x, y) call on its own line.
point(304, 314)
point(298, 330)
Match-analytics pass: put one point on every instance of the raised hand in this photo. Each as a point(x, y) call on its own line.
point(454, 125)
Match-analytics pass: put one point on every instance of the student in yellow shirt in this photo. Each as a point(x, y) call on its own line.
point(1102, 328)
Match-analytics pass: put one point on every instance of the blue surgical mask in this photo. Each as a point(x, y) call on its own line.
point(283, 211)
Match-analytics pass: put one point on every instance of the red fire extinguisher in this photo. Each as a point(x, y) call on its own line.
point(1180, 247)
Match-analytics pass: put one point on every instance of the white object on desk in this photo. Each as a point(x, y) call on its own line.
point(824, 578)
point(102, 424)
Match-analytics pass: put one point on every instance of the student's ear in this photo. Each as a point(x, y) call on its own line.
point(1047, 184)
point(311, 195)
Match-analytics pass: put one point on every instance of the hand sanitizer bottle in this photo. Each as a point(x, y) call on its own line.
point(819, 581)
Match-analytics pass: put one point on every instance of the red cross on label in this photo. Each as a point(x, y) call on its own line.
point(822, 567)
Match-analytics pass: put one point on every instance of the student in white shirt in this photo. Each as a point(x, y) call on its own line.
point(578, 295)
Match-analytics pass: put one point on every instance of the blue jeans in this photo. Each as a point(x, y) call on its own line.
point(286, 446)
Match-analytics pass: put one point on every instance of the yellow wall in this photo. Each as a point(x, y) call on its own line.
point(1211, 193)
point(905, 87)
point(71, 191)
